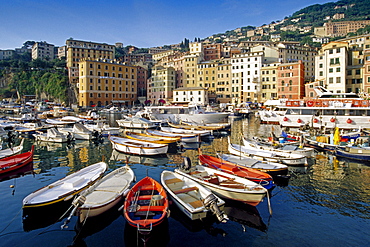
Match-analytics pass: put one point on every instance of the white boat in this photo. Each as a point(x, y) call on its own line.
point(59, 122)
point(103, 128)
point(177, 113)
point(11, 151)
point(187, 138)
point(79, 132)
point(136, 123)
point(131, 146)
point(202, 133)
point(293, 149)
point(192, 198)
point(272, 168)
point(328, 110)
point(226, 185)
point(105, 193)
point(53, 135)
point(65, 188)
point(285, 158)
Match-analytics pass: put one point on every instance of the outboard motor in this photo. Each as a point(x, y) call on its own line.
point(211, 203)
point(186, 165)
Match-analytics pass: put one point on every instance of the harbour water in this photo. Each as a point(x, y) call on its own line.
point(324, 204)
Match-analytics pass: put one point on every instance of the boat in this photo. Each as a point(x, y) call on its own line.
point(265, 155)
point(328, 110)
point(146, 205)
point(202, 133)
point(195, 127)
point(131, 146)
point(136, 123)
point(194, 200)
point(151, 138)
point(66, 188)
point(79, 132)
point(218, 164)
point(16, 161)
point(53, 135)
point(225, 185)
point(354, 153)
point(19, 172)
point(139, 159)
point(103, 128)
point(12, 150)
point(209, 126)
point(104, 194)
point(272, 168)
point(184, 137)
point(290, 149)
point(177, 113)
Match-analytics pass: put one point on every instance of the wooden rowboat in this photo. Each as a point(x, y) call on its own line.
point(16, 161)
point(192, 198)
point(104, 194)
point(184, 137)
point(66, 188)
point(226, 185)
point(146, 205)
point(137, 147)
point(151, 138)
point(258, 177)
point(195, 127)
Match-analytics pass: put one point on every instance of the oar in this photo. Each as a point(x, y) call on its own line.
point(268, 202)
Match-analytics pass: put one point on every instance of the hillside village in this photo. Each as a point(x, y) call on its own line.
point(248, 64)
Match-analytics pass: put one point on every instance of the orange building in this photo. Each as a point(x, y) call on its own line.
point(290, 80)
point(105, 82)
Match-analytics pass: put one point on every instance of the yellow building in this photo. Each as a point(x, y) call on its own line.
point(78, 50)
point(223, 86)
point(268, 82)
point(104, 82)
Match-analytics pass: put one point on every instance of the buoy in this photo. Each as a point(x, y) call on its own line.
point(349, 120)
point(299, 120)
point(11, 186)
point(285, 119)
point(315, 120)
point(332, 120)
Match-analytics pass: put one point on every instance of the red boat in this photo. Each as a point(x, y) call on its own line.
point(146, 205)
point(254, 175)
point(11, 163)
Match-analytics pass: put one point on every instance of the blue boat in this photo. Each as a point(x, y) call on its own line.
point(355, 153)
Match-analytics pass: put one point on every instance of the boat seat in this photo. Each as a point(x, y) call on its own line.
point(185, 190)
point(196, 204)
point(173, 180)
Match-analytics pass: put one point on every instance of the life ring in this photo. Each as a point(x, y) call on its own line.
point(310, 103)
point(325, 103)
point(364, 103)
point(318, 103)
point(288, 103)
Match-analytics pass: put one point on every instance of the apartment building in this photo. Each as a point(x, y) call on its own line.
point(245, 75)
point(212, 51)
point(342, 28)
point(103, 82)
point(331, 65)
point(290, 80)
point(207, 77)
point(190, 70)
point(223, 84)
point(77, 50)
point(6, 54)
point(162, 84)
point(268, 82)
point(43, 50)
point(195, 95)
point(142, 76)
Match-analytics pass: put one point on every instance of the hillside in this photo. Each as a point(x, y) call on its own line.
point(309, 17)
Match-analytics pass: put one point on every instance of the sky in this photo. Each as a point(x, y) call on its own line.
point(144, 24)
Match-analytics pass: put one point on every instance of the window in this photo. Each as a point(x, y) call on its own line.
point(338, 69)
point(338, 80)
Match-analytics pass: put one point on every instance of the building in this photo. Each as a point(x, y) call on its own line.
point(162, 83)
point(268, 82)
point(342, 28)
point(6, 54)
point(77, 50)
point(43, 50)
point(195, 95)
point(290, 80)
point(104, 82)
point(223, 82)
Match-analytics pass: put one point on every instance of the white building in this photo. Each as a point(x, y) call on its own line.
point(245, 74)
point(195, 95)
